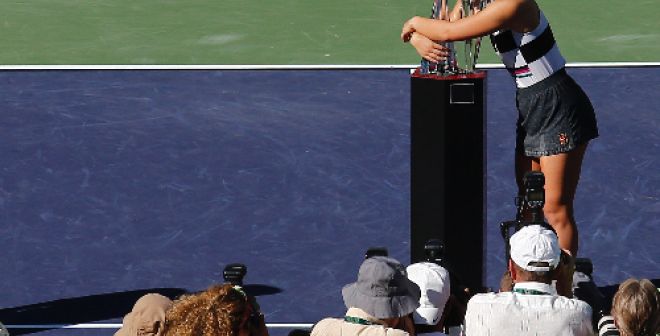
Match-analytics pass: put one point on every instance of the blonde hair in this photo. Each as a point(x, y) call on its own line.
point(636, 308)
point(221, 310)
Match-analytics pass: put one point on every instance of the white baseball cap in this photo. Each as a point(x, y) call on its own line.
point(535, 248)
point(433, 281)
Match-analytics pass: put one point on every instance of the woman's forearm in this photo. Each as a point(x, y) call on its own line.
point(436, 30)
point(496, 16)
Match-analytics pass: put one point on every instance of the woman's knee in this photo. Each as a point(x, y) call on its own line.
point(558, 213)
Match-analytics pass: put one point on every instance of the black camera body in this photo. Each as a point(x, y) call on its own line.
point(433, 251)
point(534, 197)
point(529, 207)
point(234, 274)
point(376, 251)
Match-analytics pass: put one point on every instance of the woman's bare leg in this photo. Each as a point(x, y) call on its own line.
point(562, 173)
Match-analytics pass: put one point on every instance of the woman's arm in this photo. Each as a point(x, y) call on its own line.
point(498, 15)
point(428, 49)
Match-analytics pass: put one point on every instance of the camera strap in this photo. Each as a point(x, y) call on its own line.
point(529, 291)
point(357, 320)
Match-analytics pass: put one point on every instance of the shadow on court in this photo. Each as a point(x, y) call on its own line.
point(78, 310)
point(92, 308)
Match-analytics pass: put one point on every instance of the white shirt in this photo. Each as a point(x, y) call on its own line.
point(511, 313)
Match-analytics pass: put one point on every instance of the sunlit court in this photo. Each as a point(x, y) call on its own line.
point(146, 146)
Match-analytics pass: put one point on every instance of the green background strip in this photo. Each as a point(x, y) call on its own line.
point(287, 31)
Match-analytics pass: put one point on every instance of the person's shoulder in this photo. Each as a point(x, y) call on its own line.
point(395, 332)
point(328, 321)
point(327, 324)
point(490, 297)
point(488, 302)
point(572, 304)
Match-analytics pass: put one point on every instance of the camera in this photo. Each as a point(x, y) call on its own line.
point(234, 274)
point(529, 207)
point(534, 197)
point(434, 250)
point(378, 251)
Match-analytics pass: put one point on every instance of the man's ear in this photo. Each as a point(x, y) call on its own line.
point(512, 271)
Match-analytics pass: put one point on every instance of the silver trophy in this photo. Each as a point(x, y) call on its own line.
point(471, 46)
point(460, 60)
point(440, 11)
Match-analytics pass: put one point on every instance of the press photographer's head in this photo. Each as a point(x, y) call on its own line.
point(221, 310)
point(535, 254)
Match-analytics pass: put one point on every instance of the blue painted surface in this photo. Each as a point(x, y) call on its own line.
point(114, 181)
point(119, 180)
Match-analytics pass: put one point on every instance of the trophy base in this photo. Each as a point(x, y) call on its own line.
point(462, 74)
point(448, 170)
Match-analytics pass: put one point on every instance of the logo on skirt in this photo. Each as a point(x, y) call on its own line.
point(563, 139)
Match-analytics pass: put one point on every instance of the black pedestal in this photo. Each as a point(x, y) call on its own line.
point(448, 170)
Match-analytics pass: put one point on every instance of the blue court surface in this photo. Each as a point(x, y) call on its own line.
point(116, 183)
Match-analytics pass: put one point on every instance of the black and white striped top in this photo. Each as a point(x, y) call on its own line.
point(529, 57)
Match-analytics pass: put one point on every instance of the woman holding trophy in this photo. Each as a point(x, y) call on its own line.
point(556, 119)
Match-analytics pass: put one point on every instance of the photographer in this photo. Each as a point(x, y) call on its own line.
point(443, 292)
point(220, 310)
point(379, 303)
point(533, 306)
point(530, 212)
point(433, 282)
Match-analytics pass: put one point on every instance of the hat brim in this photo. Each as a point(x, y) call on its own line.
point(381, 307)
point(428, 316)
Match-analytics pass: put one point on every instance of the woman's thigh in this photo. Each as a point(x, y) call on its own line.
point(562, 174)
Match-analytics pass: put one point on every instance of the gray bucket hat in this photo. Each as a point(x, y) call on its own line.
point(382, 289)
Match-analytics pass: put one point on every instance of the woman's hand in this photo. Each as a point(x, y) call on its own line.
point(428, 49)
point(408, 30)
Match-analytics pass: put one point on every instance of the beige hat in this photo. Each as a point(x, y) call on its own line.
point(147, 317)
